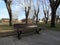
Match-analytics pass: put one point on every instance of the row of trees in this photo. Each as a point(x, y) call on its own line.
point(28, 4)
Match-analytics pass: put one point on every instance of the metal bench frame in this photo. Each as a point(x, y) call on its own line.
point(19, 28)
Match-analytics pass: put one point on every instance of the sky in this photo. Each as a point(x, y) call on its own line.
point(17, 11)
point(4, 12)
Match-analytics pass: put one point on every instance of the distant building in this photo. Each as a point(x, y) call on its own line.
point(6, 20)
point(24, 20)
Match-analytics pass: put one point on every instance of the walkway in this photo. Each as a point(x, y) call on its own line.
point(45, 38)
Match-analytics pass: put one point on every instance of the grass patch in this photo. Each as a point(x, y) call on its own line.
point(6, 27)
point(47, 26)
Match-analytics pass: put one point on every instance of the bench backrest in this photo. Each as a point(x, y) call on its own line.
point(17, 26)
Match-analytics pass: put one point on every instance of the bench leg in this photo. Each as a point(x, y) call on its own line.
point(19, 35)
point(40, 29)
point(37, 30)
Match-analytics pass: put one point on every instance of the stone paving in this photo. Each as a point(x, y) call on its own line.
point(45, 38)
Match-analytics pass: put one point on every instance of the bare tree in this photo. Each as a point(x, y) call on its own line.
point(26, 6)
point(54, 5)
point(8, 5)
point(27, 10)
point(36, 12)
point(45, 10)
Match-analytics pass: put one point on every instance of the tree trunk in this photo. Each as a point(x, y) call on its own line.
point(53, 16)
point(9, 11)
point(10, 15)
point(26, 19)
point(26, 14)
point(46, 20)
point(45, 17)
point(36, 19)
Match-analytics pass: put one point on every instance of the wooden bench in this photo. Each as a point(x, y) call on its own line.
point(21, 28)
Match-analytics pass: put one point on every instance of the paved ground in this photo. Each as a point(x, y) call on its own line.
point(45, 38)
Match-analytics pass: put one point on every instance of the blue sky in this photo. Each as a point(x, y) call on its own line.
point(4, 12)
point(16, 10)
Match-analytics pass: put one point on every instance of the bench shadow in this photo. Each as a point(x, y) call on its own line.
point(25, 34)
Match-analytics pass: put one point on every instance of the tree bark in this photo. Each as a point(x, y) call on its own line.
point(46, 21)
point(9, 11)
point(36, 18)
point(26, 19)
point(53, 16)
point(10, 15)
point(54, 5)
point(27, 14)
